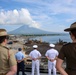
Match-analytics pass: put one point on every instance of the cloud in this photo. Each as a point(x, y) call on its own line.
point(17, 17)
point(56, 6)
point(70, 19)
point(52, 6)
point(65, 7)
point(44, 14)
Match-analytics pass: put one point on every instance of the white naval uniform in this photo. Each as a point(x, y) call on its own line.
point(52, 54)
point(35, 64)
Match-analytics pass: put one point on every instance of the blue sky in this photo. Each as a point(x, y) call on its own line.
point(49, 15)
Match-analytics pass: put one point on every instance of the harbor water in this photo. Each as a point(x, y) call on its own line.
point(53, 38)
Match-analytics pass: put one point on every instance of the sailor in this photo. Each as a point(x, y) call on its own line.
point(20, 61)
point(35, 55)
point(51, 55)
point(8, 65)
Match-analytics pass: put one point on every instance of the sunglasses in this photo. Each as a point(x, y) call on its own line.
point(70, 33)
point(7, 37)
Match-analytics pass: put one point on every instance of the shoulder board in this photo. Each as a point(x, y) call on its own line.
point(7, 51)
point(66, 43)
point(4, 47)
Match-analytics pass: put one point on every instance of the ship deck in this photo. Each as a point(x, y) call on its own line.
point(29, 73)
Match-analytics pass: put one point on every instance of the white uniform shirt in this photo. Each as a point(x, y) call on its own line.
point(35, 54)
point(19, 55)
point(52, 53)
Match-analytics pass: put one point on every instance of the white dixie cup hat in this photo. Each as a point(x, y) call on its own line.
point(35, 46)
point(52, 45)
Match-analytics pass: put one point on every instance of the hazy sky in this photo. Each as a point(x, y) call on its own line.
point(49, 15)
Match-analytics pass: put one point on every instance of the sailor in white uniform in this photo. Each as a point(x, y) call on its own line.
point(35, 55)
point(51, 55)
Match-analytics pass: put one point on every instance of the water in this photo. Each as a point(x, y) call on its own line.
point(53, 38)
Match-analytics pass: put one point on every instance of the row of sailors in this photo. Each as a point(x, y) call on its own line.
point(35, 55)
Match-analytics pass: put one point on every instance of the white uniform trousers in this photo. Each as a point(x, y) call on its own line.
point(51, 67)
point(35, 67)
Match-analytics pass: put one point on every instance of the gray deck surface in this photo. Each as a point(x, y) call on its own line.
point(29, 73)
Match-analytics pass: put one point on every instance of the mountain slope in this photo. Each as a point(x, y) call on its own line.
point(28, 30)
